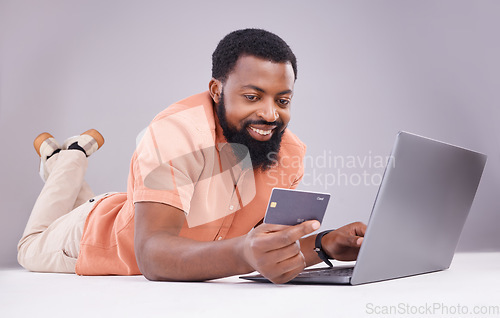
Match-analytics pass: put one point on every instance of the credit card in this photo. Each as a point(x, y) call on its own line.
point(291, 207)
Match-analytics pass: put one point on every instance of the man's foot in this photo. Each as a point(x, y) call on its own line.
point(88, 142)
point(45, 146)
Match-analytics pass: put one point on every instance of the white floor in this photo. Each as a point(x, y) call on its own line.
point(472, 282)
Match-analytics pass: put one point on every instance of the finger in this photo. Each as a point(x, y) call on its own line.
point(359, 229)
point(298, 231)
point(359, 241)
point(286, 277)
point(346, 239)
point(354, 241)
point(284, 253)
point(291, 269)
point(291, 234)
point(294, 262)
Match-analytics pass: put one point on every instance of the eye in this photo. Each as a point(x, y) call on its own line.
point(283, 102)
point(251, 98)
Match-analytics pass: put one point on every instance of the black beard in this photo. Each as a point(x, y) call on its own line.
point(264, 154)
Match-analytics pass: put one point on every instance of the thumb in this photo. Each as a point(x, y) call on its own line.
point(297, 231)
point(355, 241)
point(359, 241)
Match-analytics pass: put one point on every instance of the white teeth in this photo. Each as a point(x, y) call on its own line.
point(261, 132)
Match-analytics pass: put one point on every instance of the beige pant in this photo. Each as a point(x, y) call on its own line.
point(51, 240)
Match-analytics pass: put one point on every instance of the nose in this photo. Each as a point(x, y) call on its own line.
point(268, 112)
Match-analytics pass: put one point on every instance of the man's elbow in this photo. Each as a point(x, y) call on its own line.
point(155, 268)
point(153, 272)
point(153, 276)
point(145, 262)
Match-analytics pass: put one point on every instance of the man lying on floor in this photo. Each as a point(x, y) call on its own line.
point(198, 187)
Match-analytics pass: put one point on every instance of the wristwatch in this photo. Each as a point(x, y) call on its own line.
point(319, 249)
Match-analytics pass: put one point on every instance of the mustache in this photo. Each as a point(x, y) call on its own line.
point(277, 123)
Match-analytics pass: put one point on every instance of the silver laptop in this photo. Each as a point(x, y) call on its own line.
point(419, 212)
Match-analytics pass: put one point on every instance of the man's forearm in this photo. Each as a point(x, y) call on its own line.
point(168, 257)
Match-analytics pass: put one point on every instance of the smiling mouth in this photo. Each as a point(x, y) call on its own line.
point(261, 132)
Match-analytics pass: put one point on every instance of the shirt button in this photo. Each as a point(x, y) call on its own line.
point(231, 207)
point(219, 238)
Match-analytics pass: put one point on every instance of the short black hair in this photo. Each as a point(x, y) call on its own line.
point(255, 42)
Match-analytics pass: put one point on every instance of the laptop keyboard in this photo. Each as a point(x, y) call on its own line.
point(327, 272)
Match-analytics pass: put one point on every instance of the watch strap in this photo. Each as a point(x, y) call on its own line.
point(319, 248)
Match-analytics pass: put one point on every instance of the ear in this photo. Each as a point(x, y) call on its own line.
point(215, 89)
